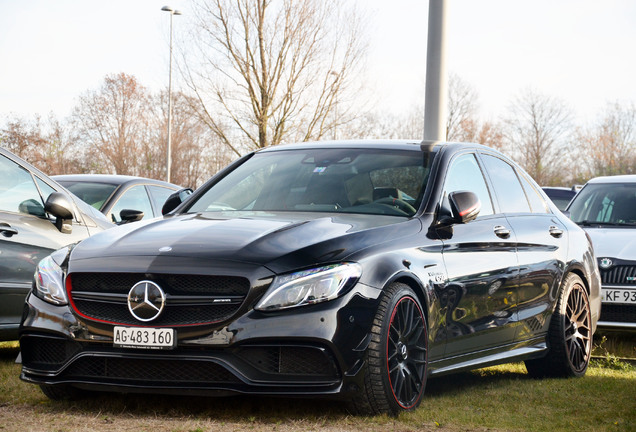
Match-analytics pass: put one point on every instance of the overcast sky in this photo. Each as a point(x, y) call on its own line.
point(581, 51)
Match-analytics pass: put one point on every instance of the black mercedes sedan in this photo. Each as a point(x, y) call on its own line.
point(347, 269)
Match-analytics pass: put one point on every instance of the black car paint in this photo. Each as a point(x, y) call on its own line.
point(485, 302)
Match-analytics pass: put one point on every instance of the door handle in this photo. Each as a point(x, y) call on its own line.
point(556, 231)
point(7, 230)
point(501, 231)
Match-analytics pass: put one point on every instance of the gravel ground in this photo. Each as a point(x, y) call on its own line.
point(51, 418)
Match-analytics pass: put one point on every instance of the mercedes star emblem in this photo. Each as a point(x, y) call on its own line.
point(146, 300)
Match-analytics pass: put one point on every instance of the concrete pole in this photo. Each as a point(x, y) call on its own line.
point(435, 106)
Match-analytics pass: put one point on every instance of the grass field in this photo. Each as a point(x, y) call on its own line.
point(500, 398)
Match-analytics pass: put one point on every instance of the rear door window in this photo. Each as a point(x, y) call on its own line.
point(510, 195)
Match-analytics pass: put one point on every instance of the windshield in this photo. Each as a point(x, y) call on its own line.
point(388, 182)
point(605, 204)
point(94, 194)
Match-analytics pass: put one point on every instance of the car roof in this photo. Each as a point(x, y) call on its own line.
point(628, 178)
point(378, 144)
point(115, 179)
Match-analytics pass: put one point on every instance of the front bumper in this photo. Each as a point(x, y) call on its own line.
point(310, 350)
point(618, 283)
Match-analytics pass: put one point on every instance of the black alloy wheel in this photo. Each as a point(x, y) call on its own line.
point(397, 357)
point(569, 335)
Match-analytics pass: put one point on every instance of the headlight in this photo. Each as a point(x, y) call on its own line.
point(49, 278)
point(309, 286)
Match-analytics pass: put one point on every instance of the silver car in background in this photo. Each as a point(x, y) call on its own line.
point(606, 209)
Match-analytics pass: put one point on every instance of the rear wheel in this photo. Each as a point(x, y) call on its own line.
point(396, 360)
point(569, 335)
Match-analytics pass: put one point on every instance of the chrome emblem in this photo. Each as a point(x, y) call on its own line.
point(165, 249)
point(605, 263)
point(146, 300)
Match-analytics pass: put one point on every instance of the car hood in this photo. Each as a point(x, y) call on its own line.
point(278, 241)
point(613, 242)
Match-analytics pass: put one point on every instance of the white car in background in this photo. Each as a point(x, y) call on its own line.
point(606, 209)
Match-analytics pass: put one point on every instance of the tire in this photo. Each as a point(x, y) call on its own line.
point(61, 392)
point(397, 357)
point(569, 334)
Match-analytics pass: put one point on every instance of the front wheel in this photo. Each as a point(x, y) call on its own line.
point(569, 335)
point(396, 360)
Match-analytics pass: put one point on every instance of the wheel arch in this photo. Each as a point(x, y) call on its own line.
point(578, 270)
point(415, 284)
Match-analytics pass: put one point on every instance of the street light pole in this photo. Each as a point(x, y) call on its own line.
point(335, 123)
point(168, 157)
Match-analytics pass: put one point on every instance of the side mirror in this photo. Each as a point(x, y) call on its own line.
point(175, 199)
point(465, 206)
point(58, 205)
point(129, 215)
point(32, 207)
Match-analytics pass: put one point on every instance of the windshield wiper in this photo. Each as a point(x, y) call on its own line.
point(597, 223)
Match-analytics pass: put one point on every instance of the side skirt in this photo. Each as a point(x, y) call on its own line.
point(511, 353)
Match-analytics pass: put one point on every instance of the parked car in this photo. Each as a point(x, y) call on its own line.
point(606, 209)
point(560, 196)
point(139, 197)
point(349, 269)
point(37, 217)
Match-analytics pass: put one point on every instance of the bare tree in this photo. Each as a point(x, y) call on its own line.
point(47, 143)
point(267, 71)
point(22, 137)
point(196, 152)
point(462, 108)
point(487, 133)
point(537, 129)
point(113, 121)
point(609, 146)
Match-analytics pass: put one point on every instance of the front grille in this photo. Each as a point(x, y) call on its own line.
point(120, 283)
point(190, 299)
point(618, 313)
point(618, 275)
point(289, 360)
point(174, 315)
point(163, 372)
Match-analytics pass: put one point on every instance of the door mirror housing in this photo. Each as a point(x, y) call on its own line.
point(175, 199)
point(130, 215)
point(59, 205)
point(465, 206)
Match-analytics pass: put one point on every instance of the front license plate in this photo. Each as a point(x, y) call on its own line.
point(145, 338)
point(617, 295)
